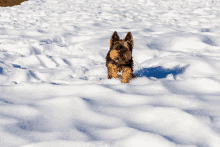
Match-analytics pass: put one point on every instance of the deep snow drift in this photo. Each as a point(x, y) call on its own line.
point(54, 89)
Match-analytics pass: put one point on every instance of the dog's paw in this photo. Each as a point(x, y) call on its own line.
point(124, 81)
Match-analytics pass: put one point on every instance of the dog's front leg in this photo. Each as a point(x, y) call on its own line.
point(112, 71)
point(127, 73)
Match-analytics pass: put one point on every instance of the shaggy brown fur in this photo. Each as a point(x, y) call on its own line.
point(119, 58)
point(10, 3)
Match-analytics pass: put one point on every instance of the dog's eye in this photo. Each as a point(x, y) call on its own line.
point(123, 49)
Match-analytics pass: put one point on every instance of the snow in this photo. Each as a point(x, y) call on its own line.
point(54, 90)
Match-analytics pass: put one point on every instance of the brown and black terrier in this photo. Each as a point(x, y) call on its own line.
point(119, 58)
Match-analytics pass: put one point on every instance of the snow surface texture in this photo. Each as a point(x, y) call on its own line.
point(54, 89)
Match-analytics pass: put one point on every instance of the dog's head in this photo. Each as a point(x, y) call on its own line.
point(121, 50)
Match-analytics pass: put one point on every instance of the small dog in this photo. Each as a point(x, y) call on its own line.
point(119, 58)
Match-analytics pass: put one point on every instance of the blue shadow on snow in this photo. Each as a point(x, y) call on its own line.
point(1, 70)
point(160, 72)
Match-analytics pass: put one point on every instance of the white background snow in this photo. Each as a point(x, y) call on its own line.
point(54, 90)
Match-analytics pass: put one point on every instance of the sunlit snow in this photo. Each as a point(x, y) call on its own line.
point(54, 90)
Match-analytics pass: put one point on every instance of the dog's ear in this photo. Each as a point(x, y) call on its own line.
point(129, 39)
point(113, 39)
